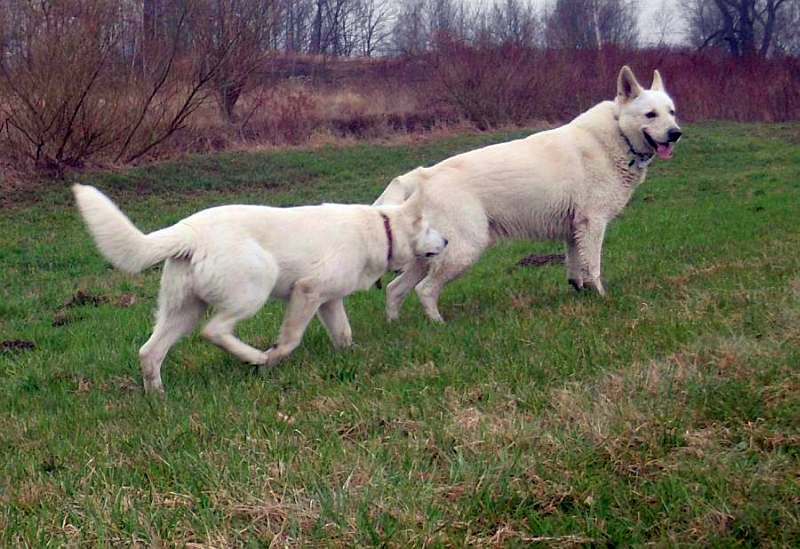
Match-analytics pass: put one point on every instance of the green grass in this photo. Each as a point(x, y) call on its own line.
point(665, 413)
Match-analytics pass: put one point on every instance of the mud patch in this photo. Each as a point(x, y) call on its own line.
point(126, 300)
point(16, 346)
point(534, 260)
point(81, 298)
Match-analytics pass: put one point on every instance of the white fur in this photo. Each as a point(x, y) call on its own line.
point(234, 258)
point(562, 184)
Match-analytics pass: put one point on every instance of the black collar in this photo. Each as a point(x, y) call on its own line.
point(640, 159)
point(388, 228)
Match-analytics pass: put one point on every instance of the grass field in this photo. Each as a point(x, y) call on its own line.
point(668, 412)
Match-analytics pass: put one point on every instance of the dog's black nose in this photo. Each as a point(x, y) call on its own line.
point(673, 135)
point(446, 242)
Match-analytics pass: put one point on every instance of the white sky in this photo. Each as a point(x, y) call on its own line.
point(647, 28)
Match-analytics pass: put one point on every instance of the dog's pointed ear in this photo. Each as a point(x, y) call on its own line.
point(658, 84)
point(628, 87)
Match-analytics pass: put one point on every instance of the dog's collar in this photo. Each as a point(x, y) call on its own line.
point(642, 160)
point(387, 227)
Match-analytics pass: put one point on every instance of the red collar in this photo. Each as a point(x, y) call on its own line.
point(388, 228)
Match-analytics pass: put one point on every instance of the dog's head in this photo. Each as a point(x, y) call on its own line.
point(425, 241)
point(647, 117)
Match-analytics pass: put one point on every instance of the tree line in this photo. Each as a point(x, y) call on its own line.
point(368, 28)
point(113, 79)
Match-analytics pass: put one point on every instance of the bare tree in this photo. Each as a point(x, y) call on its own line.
point(662, 22)
point(372, 25)
point(410, 33)
point(513, 21)
point(235, 36)
point(745, 27)
point(591, 24)
point(786, 39)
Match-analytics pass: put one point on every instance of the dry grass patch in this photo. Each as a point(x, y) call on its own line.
point(476, 424)
point(272, 517)
point(693, 273)
point(644, 417)
point(506, 534)
point(408, 373)
point(32, 494)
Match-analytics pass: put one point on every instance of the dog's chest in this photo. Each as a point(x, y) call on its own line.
point(611, 185)
point(629, 173)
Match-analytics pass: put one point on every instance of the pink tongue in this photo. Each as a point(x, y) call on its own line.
point(664, 151)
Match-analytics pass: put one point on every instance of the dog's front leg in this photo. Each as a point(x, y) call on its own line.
point(589, 235)
point(574, 265)
point(303, 303)
point(334, 318)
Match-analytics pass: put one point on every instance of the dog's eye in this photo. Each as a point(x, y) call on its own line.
point(671, 113)
point(651, 114)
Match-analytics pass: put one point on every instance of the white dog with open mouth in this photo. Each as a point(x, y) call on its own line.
point(563, 184)
point(233, 258)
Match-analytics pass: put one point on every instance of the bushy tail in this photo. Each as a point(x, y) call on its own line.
point(120, 242)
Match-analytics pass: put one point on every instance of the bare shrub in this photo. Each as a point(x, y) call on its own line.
point(55, 109)
point(284, 115)
point(74, 92)
point(495, 85)
point(488, 86)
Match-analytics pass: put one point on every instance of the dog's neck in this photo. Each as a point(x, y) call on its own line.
point(640, 160)
point(599, 121)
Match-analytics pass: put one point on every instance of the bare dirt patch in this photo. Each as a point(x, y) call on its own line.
point(16, 346)
point(534, 260)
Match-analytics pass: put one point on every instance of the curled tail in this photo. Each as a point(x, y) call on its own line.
point(120, 242)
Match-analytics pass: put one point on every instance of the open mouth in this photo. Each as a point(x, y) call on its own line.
point(663, 150)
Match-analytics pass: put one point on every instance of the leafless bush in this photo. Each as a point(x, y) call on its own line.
point(488, 86)
point(235, 36)
point(495, 85)
point(74, 91)
point(279, 116)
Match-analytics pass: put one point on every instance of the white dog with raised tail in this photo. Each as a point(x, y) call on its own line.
point(562, 184)
point(233, 258)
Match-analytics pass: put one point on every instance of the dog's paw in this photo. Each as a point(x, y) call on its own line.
point(576, 284)
point(344, 342)
point(435, 317)
point(153, 386)
point(597, 285)
point(272, 357)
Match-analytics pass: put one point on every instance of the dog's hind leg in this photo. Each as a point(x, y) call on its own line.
point(459, 257)
point(303, 303)
point(219, 331)
point(334, 318)
point(237, 294)
point(399, 288)
point(179, 310)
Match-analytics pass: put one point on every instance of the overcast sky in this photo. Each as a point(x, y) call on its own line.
point(649, 9)
point(647, 29)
